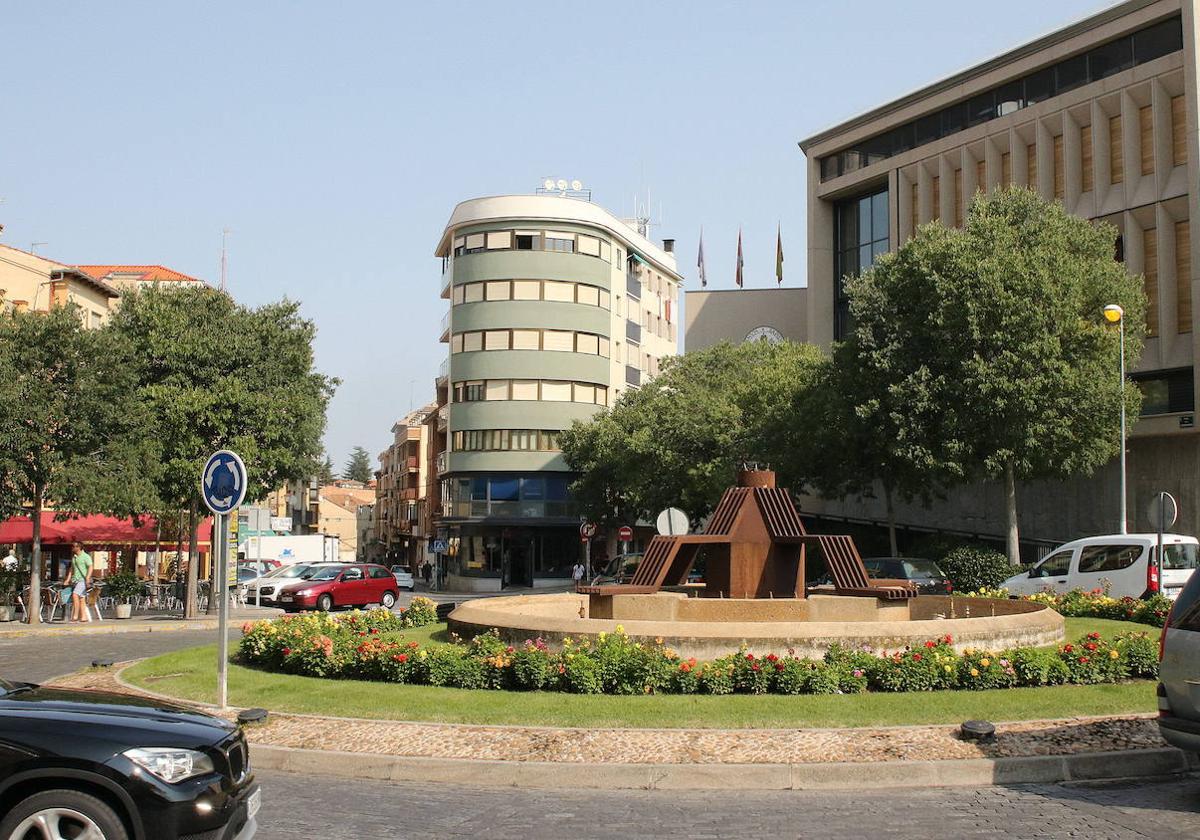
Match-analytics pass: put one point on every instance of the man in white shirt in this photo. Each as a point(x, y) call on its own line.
point(10, 561)
point(577, 573)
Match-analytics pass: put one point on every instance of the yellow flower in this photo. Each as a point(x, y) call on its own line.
point(974, 672)
point(948, 669)
point(621, 629)
point(985, 662)
point(603, 635)
point(658, 641)
point(1112, 654)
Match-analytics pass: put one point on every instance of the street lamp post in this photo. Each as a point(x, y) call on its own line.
point(1114, 314)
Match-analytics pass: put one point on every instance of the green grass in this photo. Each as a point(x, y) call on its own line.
point(1107, 627)
point(191, 674)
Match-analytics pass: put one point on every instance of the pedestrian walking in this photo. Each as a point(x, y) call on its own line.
point(427, 572)
point(78, 579)
point(578, 572)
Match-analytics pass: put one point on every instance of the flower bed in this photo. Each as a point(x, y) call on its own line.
point(1096, 604)
point(365, 646)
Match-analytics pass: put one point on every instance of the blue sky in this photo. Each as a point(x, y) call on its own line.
point(333, 140)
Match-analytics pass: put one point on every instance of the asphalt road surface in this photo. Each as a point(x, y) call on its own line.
point(304, 807)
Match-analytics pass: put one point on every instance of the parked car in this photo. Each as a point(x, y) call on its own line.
point(926, 575)
point(1126, 563)
point(620, 569)
point(1179, 671)
point(341, 585)
point(82, 764)
point(404, 578)
point(262, 566)
point(273, 582)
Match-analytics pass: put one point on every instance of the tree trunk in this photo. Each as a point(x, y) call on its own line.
point(891, 518)
point(1013, 543)
point(157, 547)
point(33, 605)
point(189, 594)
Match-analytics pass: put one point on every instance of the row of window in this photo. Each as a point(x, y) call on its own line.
point(1120, 54)
point(1167, 391)
point(507, 440)
point(561, 340)
point(542, 390)
point(552, 290)
point(1114, 137)
point(510, 488)
point(563, 241)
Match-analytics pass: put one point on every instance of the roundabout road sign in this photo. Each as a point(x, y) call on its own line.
point(223, 482)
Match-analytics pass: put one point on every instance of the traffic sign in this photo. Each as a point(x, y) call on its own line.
point(1163, 510)
point(672, 521)
point(440, 546)
point(223, 482)
point(625, 534)
point(587, 530)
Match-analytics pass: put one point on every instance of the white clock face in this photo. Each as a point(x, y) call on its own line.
point(764, 333)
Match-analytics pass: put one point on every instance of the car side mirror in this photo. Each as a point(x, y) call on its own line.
point(1033, 573)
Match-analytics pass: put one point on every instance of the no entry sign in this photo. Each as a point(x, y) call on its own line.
point(625, 534)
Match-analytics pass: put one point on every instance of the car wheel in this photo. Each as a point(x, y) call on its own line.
point(325, 603)
point(388, 600)
point(62, 814)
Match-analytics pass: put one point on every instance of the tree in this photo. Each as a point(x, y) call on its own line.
point(220, 375)
point(73, 432)
point(677, 440)
point(358, 468)
point(325, 471)
point(992, 339)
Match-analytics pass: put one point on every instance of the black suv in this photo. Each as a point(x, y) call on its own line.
point(82, 764)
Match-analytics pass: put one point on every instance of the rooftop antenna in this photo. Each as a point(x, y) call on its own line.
point(33, 246)
point(224, 237)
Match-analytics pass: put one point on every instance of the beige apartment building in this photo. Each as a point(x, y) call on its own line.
point(34, 283)
point(1100, 115)
point(403, 480)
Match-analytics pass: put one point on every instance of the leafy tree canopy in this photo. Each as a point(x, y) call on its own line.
point(678, 440)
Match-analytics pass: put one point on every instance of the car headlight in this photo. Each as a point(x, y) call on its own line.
point(304, 593)
point(171, 764)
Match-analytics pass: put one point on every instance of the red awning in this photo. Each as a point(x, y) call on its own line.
point(96, 530)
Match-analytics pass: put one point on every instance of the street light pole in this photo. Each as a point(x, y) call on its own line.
point(1114, 314)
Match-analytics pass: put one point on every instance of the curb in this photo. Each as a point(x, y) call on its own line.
point(105, 630)
point(975, 772)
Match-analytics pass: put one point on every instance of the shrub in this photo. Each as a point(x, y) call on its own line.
point(716, 677)
point(978, 670)
point(752, 675)
point(531, 664)
point(1037, 667)
point(684, 678)
point(580, 674)
point(421, 612)
point(1140, 653)
point(971, 569)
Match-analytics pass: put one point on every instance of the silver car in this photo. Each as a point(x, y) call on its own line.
point(1179, 673)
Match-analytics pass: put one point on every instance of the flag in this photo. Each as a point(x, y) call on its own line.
point(700, 261)
point(738, 278)
point(779, 254)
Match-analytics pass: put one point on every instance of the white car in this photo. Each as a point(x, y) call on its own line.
point(404, 578)
point(273, 582)
point(1126, 563)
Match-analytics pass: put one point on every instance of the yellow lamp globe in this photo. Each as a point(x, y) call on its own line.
point(1113, 313)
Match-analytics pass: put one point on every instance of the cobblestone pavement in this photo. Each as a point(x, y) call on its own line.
point(37, 659)
point(296, 807)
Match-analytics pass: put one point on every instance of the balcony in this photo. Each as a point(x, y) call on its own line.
point(443, 372)
point(444, 333)
point(633, 332)
point(442, 462)
point(443, 418)
point(410, 494)
point(633, 286)
point(633, 376)
point(412, 464)
point(447, 276)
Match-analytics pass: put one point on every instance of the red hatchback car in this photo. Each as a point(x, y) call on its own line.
point(349, 585)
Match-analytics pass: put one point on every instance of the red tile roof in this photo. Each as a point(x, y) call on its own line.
point(145, 273)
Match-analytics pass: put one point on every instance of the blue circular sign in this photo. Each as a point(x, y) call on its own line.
point(223, 482)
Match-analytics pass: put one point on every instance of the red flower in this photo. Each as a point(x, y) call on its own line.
point(755, 667)
point(1083, 659)
point(778, 666)
point(413, 645)
point(931, 644)
point(1068, 648)
point(402, 657)
point(916, 657)
point(374, 630)
point(749, 657)
point(948, 639)
point(772, 657)
point(1093, 635)
point(1090, 646)
point(508, 649)
point(287, 651)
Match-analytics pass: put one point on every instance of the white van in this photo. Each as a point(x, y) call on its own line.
point(1127, 563)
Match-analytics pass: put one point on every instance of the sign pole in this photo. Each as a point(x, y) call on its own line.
point(1162, 524)
point(222, 611)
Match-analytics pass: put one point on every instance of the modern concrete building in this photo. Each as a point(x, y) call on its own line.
point(32, 282)
point(737, 315)
point(1100, 115)
point(556, 307)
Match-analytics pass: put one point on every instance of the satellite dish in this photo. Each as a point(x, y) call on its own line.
point(562, 183)
point(548, 184)
point(672, 522)
point(577, 185)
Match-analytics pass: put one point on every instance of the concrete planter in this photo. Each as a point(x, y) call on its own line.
point(124, 610)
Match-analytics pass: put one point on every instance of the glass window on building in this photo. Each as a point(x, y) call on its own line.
point(556, 391)
point(1167, 391)
point(860, 237)
point(587, 343)
point(472, 341)
point(587, 294)
point(474, 292)
point(496, 340)
point(526, 339)
point(524, 389)
point(457, 294)
point(560, 241)
point(499, 240)
point(561, 340)
point(499, 290)
point(554, 290)
point(527, 290)
point(497, 389)
point(504, 489)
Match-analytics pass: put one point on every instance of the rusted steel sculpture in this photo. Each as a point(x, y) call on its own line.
point(757, 546)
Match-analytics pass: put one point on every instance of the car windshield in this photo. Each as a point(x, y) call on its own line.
point(400, 569)
point(285, 571)
point(325, 573)
point(914, 568)
point(246, 574)
point(1181, 556)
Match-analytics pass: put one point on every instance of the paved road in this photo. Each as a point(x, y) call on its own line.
point(303, 807)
